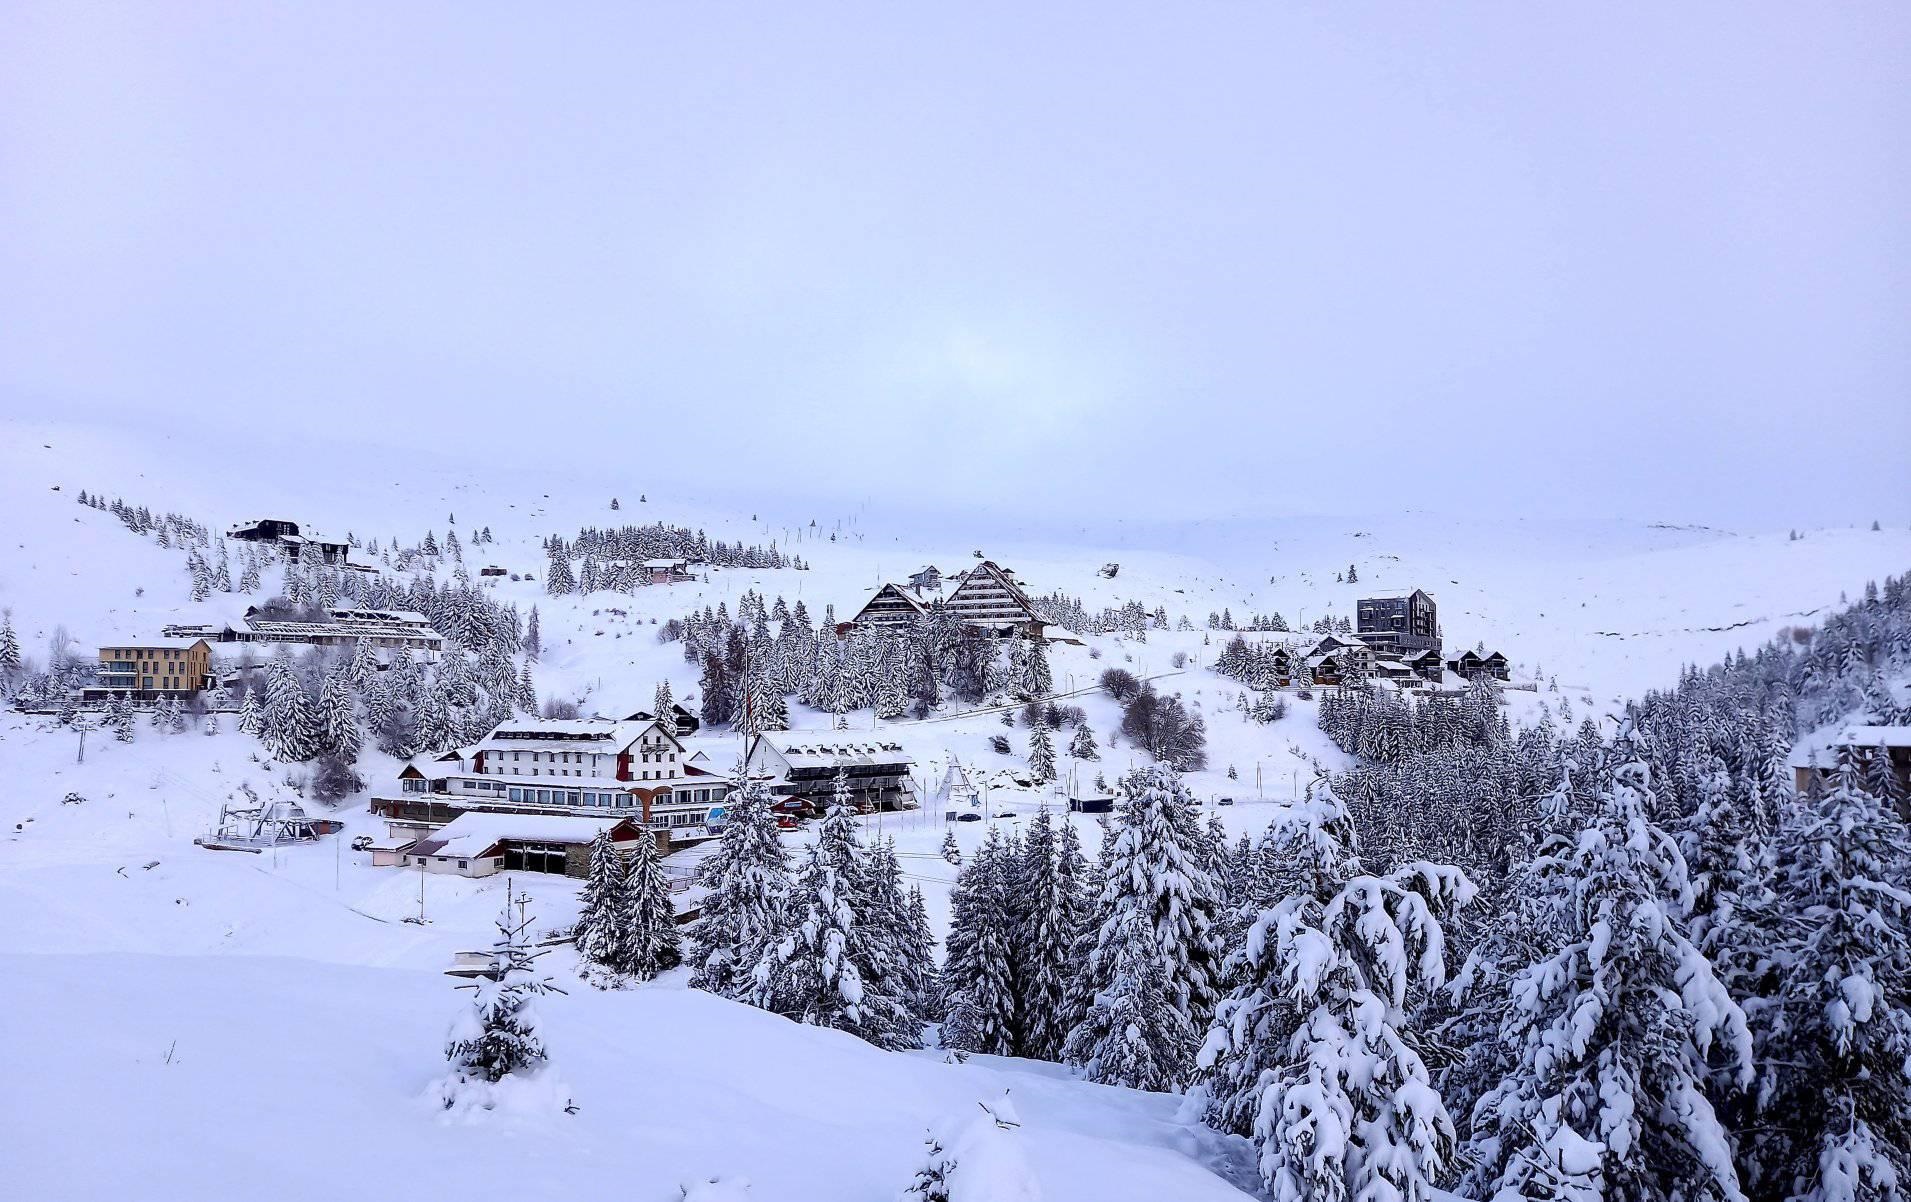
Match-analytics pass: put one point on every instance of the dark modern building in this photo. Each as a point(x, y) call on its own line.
point(1404, 625)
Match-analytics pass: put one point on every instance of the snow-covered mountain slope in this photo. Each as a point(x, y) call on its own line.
point(1607, 607)
point(215, 1009)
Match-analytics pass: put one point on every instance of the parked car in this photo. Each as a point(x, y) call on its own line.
point(969, 816)
point(1225, 801)
point(361, 843)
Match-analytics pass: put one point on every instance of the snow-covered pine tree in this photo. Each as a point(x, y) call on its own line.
point(497, 1035)
point(1311, 1055)
point(951, 852)
point(919, 948)
point(1041, 755)
point(746, 910)
point(931, 1182)
point(1613, 1025)
point(1133, 1035)
point(251, 719)
point(337, 721)
point(558, 579)
point(525, 695)
point(436, 729)
point(651, 944)
point(661, 702)
point(820, 982)
point(10, 661)
point(286, 723)
point(1833, 1120)
point(978, 975)
point(1037, 679)
point(1156, 866)
point(1053, 910)
point(600, 935)
point(533, 638)
point(1082, 746)
point(837, 964)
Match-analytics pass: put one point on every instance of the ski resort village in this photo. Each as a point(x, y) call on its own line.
point(843, 602)
point(483, 834)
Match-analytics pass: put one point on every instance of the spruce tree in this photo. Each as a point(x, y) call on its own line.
point(337, 720)
point(1053, 911)
point(651, 943)
point(1311, 1055)
point(978, 987)
point(1156, 866)
point(1041, 755)
point(251, 719)
point(1082, 746)
point(951, 852)
point(286, 722)
point(10, 661)
point(600, 935)
point(558, 579)
point(1833, 1119)
point(1134, 1034)
point(497, 1035)
point(820, 981)
point(1617, 1023)
point(747, 908)
point(838, 965)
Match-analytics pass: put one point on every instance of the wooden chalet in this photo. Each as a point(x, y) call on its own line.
point(894, 605)
point(1427, 665)
point(1814, 760)
point(804, 765)
point(1348, 658)
point(684, 722)
point(300, 547)
point(1469, 665)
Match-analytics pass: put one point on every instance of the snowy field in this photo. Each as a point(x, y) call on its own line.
point(269, 1024)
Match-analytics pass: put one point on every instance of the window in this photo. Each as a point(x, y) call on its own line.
point(464, 863)
point(517, 794)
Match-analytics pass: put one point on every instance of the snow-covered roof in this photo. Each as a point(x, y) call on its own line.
point(1808, 751)
point(603, 736)
point(471, 833)
point(382, 615)
point(665, 563)
point(825, 752)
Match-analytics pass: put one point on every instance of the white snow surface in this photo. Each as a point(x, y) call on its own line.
point(189, 1024)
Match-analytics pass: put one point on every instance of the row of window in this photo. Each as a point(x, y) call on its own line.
point(569, 797)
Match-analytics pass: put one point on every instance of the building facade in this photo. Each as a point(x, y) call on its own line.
point(594, 767)
point(152, 670)
point(803, 767)
point(1406, 625)
point(390, 629)
point(305, 547)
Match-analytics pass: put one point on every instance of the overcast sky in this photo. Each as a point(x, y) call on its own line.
point(1192, 259)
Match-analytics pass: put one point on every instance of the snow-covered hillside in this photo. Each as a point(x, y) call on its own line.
point(272, 1022)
